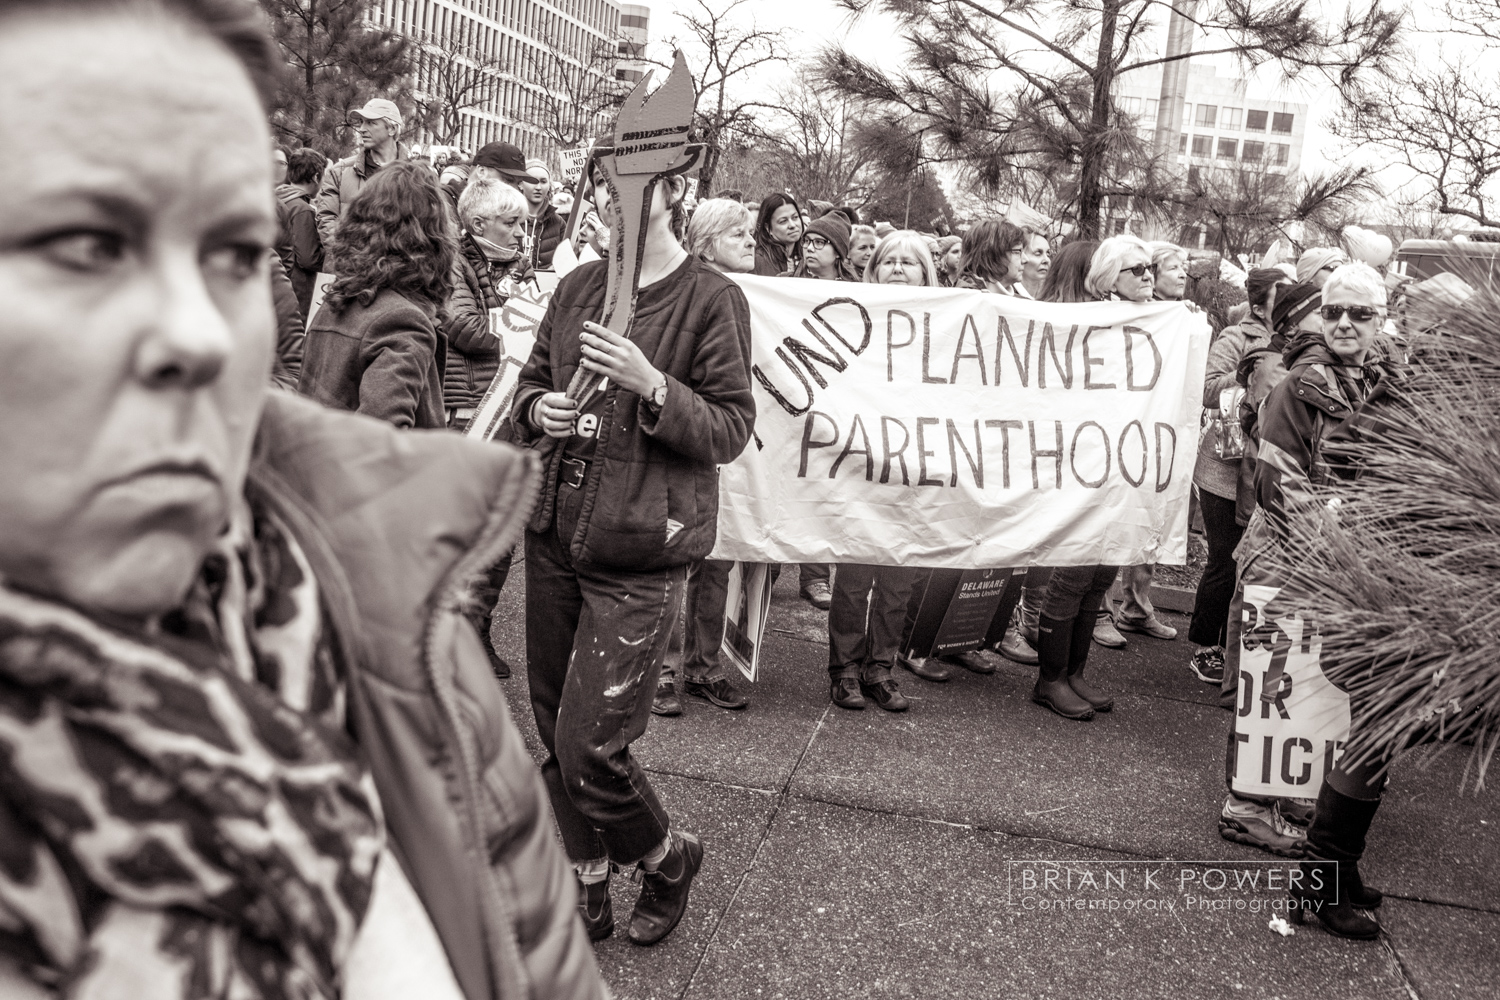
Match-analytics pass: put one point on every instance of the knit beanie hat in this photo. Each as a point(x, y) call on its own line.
point(1293, 304)
point(835, 230)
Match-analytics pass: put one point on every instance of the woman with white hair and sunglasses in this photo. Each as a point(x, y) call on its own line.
point(1330, 374)
point(1124, 267)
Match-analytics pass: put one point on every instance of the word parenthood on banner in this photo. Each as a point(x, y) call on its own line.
point(932, 427)
point(514, 324)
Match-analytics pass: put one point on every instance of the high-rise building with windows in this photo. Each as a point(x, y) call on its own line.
point(635, 32)
point(522, 47)
point(1225, 125)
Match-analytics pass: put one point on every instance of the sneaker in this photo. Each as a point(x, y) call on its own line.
point(1015, 648)
point(666, 701)
point(886, 694)
point(596, 909)
point(1150, 625)
point(1298, 811)
point(664, 892)
point(1208, 665)
point(1105, 633)
point(845, 693)
point(818, 595)
point(720, 692)
point(1247, 822)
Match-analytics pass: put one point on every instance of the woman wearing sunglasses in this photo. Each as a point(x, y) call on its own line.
point(1329, 376)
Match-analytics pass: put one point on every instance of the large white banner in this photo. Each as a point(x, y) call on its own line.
point(927, 427)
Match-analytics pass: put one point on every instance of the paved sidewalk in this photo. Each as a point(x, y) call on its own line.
point(863, 854)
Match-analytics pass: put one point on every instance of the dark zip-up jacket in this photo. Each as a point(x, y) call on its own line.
point(546, 232)
point(652, 490)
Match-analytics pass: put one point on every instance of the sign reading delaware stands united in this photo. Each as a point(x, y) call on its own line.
point(936, 427)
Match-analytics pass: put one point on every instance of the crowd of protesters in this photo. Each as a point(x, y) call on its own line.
point(299, 682)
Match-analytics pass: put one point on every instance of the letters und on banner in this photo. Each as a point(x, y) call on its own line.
point(952, 428)
point(1291, 722)
point(514, 324)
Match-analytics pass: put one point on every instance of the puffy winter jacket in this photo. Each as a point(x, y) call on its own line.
point(473, 351)
point(397, 527)
point(651, 494)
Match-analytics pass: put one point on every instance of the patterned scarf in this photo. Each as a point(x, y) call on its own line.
point(180, 805)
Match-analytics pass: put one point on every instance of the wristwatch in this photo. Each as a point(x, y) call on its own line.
point(658, 397)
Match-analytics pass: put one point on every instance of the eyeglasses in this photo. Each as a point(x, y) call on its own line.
point(1359, 314)
point(815, 243)
point(1140, 270)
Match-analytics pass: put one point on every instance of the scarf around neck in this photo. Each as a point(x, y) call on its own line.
point(180, 804)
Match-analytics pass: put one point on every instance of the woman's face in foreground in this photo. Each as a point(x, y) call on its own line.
point(137, 333)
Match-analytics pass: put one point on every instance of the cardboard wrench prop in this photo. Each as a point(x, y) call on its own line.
point(650, 143)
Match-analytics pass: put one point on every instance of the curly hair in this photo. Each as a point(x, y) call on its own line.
point(396, 234)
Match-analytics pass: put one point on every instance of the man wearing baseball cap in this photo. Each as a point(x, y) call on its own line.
point(505, 159)
point(378, 125)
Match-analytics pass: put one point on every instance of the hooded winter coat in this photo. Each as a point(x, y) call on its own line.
point(546, 232)
point(297, 241)
point(1318, 394)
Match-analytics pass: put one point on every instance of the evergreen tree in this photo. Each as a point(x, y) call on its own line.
point(337, 59)
point(1007, 86)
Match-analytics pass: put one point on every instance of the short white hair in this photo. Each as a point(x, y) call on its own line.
point(1162, 251)
point(1359, 278)
point(1109, 260)
point(712, 219)
point(913, 243)
point(485, 199)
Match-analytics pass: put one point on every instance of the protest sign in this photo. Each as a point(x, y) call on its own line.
point(319, 292)
point(572, 163)
point(955, 611)
point(952, 428)
point(747, 604)
point(514, 324)
point(1286, 744)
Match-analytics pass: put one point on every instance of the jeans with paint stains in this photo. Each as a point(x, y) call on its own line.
point(595, 641)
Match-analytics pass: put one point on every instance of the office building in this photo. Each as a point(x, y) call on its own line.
point(510, 39)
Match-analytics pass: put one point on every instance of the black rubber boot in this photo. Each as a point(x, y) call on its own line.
point(1054, 648)
point(1078, 657)
point(1337, 833)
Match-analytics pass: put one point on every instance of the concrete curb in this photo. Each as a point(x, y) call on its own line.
point(1178, 599)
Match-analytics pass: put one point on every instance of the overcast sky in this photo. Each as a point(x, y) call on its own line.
point(811, 24)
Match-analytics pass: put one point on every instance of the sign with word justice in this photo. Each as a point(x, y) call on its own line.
point(945, 427)
point(1291, 722)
